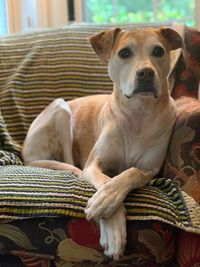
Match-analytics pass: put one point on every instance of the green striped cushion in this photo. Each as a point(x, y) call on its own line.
point(39, 67)
point(27, 192)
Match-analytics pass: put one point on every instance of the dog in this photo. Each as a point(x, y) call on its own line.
point(116, 142)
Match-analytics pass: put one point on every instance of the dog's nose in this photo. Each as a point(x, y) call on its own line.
point(145, 74)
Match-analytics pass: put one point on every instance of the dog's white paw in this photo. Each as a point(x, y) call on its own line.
point(113, 234)
point(104, 202)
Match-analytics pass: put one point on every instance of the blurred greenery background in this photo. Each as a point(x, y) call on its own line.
point(140, 11)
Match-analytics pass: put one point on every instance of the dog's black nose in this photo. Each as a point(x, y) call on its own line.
point(145, 74)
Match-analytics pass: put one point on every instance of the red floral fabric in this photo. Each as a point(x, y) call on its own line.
point(187, 72)
point(75, 242)
point(183, 157)
point(188, 250)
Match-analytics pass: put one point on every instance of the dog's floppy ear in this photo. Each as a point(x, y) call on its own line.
point(174, 40)
point(103, 42)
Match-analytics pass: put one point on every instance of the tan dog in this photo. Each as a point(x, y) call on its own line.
point(123, 135)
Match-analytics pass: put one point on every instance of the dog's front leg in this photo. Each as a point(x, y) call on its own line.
point(113, 233)
point(93, 174)
point(111, 194)
point(113, 230)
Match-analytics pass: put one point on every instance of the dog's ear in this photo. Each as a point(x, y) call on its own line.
point(174, 40)
point(103, 42)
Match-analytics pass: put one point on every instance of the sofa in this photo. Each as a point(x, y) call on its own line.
point(42, 220)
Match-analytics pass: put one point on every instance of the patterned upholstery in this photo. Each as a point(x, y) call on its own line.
point(182, 163)
point(188, 72)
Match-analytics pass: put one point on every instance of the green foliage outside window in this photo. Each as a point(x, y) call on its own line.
point(140, 11)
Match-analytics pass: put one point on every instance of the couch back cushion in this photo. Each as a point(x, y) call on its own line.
point(39, 67)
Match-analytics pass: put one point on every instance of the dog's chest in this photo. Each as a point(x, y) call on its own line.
point(140, 147)
point(133, 151)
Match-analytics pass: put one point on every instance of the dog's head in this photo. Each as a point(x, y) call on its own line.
point(139, 59)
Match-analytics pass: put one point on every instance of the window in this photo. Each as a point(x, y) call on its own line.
point(3, 16)
point(139, 11)
point(29, 15)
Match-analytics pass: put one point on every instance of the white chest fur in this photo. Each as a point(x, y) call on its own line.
point(146, 137)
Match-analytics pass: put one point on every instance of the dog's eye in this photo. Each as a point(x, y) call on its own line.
point(125, 53)
point(158, 51)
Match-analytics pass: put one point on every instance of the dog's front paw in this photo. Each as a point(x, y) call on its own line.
point(113, 234)
point(103, 203)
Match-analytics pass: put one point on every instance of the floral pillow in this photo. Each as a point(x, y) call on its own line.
point(187, 73)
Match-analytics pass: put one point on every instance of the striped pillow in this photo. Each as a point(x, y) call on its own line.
point(39, 67)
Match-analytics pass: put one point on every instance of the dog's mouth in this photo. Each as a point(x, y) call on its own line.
point(144, 89)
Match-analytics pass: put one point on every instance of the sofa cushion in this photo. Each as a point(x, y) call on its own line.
point(59, 193)
point(187, 72)
point(38, 67)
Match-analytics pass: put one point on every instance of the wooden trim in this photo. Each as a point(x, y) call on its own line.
point(51, 14)
point(58, 13)
point(42, 8)
point(78, 10)
point(14, 16)
point(196, 15)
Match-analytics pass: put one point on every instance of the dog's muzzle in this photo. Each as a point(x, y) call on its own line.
point(144, 83)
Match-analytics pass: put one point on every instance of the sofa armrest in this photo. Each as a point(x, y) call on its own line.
point(183, 157)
